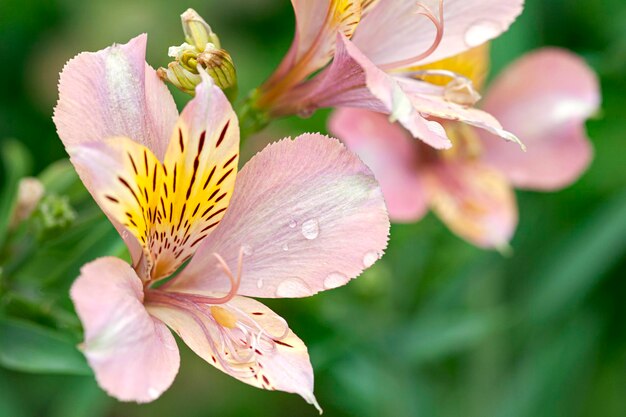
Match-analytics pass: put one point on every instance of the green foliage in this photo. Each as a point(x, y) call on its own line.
point(30, 348)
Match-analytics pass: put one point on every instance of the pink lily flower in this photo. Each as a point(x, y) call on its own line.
point(470, 187)
point(304, 216)
point(381, 67)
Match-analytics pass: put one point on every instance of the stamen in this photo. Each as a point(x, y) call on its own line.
point(438, 22)
point(459, 90)
point(237, 340)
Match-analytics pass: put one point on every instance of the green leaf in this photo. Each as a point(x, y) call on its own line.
point(17, 163)
point(30, 348)
point(579, 263)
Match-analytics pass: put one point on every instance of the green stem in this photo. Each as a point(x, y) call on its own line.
point(251, 118)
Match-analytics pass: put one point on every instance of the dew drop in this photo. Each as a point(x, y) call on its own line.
point(293, 287)
point(292, 223)
point(285, 247)
point(247, 250)
point(306, 113)
point(334, 280)
point(310, 229)
point(481, 31)
point(259, 283)
point(370, 258)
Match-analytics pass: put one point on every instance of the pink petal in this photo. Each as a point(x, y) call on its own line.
point(544, 98)
point(317, 25)
point(393, 32)
point(431, 101)
point(352, 80)
point(134, 356)
point(286, 367)
point(113, 92)
point(474, 201)
point(388, 150)
point(308, 215)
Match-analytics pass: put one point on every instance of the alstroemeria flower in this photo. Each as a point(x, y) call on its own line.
point(382, 67)
point(305, 216)
point(545, 98)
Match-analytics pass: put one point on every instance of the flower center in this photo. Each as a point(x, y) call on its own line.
point(236, 338)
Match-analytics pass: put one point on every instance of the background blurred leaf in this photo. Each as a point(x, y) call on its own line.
point(575, 266)
point(16, 163)
point(30, 348)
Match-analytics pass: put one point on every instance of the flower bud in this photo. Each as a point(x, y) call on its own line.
point(54, 214)
point(29, 193)
point(197, 31)
point(219, 65)
point(201, 49)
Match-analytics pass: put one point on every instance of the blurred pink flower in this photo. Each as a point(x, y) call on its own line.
point(470, 186)
point(379, 68)
point(305, 216)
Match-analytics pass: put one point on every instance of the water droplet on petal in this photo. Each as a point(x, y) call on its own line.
point(292, 223)
point(306, 113)
point(370, 258)
point(310, 229)
point(481, 31)
point(259, 283)
point(293, 287)
point(285, 247)
point(247, 250)
point(334, 280)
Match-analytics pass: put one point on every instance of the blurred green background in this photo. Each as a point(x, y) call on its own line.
point(436, 328)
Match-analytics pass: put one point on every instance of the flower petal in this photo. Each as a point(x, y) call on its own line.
point(394, 32)
point(201, 164)
point(169, 207)
point(123, 176)
point(113, 92)
point(134, 356)
point(352, 80)
point(308, 215)
point(317, 25)
point(544, 98)
point(388, 150)
point(474, 201)
point(283, 365)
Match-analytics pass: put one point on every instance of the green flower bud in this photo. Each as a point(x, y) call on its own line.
point(201, 49)
point(197, 31)
point(54, 213)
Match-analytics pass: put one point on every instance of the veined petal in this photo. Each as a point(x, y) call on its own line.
point(169, 207)
point(318, 25)
point(474, 201)
point(134, 356)
point(201, 165)
point(352, 80)
point(544, 98)
point(122, 176)
point(393, 34)
point(390, 152)
point(431, 101)
point(246, 340)
point(113, 92)
point(308, 215)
